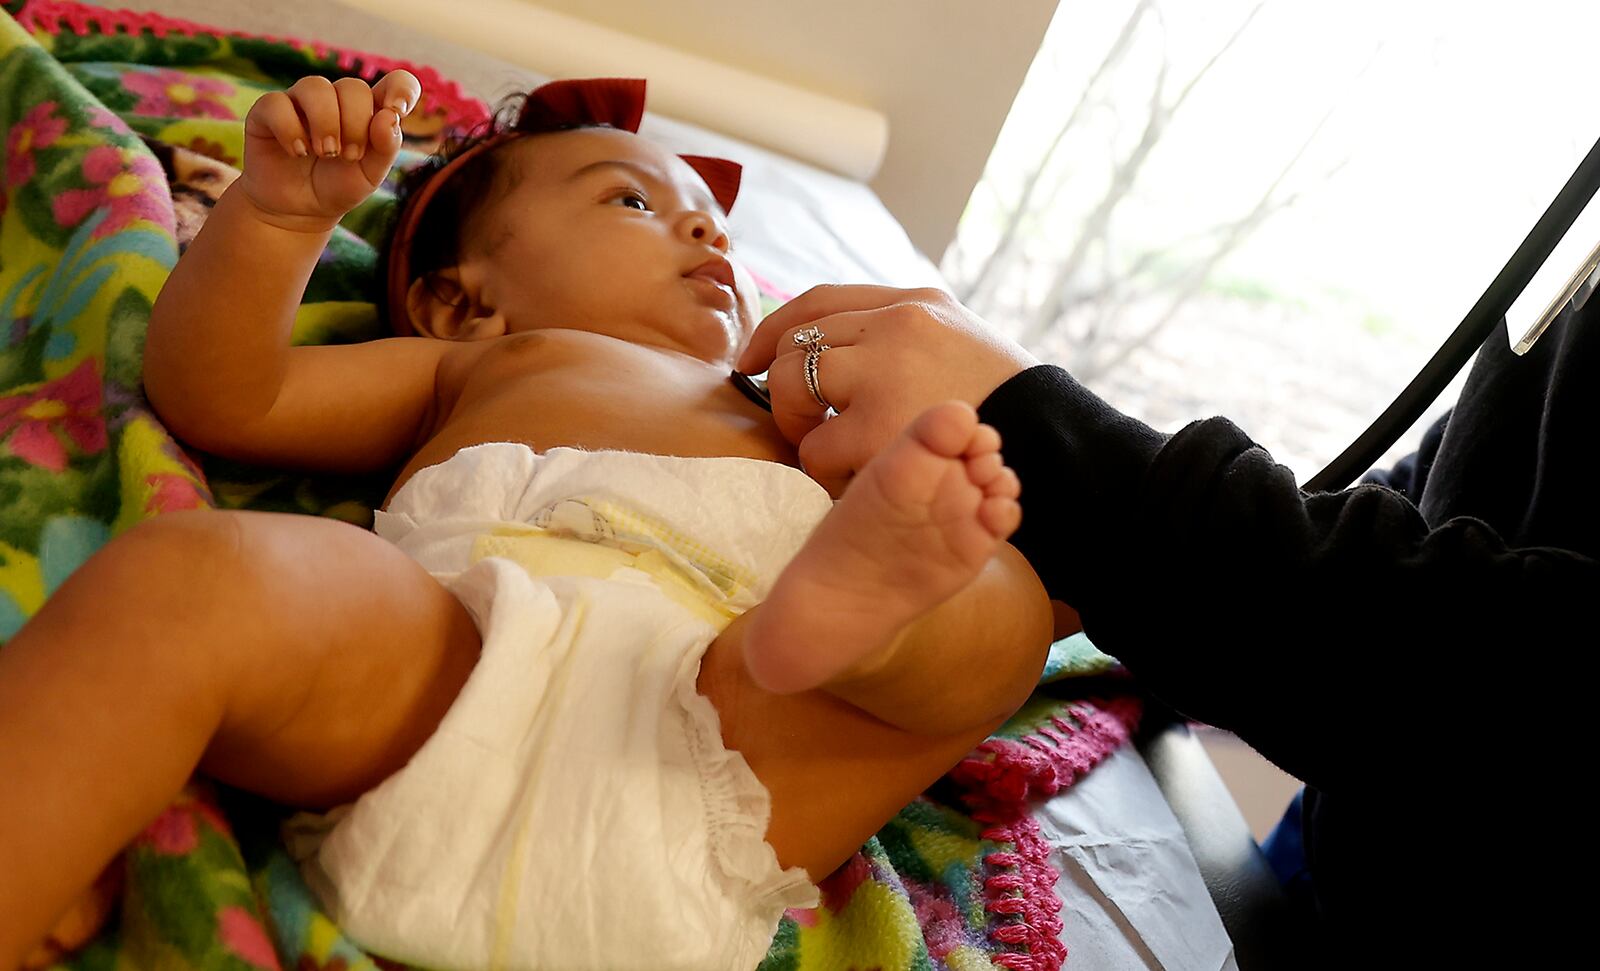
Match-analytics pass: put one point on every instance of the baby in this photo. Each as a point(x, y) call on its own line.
point(626, 680)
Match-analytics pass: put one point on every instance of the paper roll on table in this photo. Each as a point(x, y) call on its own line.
point(842, 137)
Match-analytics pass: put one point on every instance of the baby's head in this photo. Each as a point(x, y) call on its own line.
point(558, 215)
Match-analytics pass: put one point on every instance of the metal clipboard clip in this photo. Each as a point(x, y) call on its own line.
point(1580, 287)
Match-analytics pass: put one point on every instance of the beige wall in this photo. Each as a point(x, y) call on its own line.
point(944, 71)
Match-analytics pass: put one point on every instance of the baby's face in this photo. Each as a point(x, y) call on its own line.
point(603, 231)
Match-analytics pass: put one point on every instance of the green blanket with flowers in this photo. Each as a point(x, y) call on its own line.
point(119, 131)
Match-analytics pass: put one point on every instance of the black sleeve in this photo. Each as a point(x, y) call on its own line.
point(1410, 475)
point(1245, 603)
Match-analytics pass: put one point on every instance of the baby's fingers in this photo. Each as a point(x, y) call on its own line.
point(273, 116)
point(355, 114)
point(398, 90)
point(383, 144)
point(319, 106)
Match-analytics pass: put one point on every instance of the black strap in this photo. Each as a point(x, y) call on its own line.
point(1469, 335)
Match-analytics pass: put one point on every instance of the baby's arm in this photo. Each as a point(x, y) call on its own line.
point(218, 367)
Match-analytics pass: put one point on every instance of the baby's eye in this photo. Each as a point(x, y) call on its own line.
point(632, 199)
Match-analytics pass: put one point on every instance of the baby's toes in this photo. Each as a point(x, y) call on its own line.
point(985, 440)
point(957, 513)
point(945, 430)
point(1000, 515)
point(1006, 485)
point(984, 469)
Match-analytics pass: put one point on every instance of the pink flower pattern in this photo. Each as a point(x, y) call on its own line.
point(243, 934)
point(128, 183)
point(178, 95)
point(177, 830)
point(104, 118)
point(170, 492)
point(39, 128)
point(840, 885)
point(69, 405)
point(173, 833)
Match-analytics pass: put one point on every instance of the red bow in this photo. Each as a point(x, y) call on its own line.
point(619, 103)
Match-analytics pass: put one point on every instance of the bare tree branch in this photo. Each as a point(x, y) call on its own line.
point(1236, 234)
point(977, 290)
point(1095, 224)
point(1123, 179)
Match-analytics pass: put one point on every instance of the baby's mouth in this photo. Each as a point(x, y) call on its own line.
point(717, 270)
point(714, 273)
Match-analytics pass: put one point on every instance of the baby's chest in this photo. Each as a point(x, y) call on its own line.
point(547, 394)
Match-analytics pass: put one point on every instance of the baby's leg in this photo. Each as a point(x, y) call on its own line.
point(296, 657)
point(916, 527)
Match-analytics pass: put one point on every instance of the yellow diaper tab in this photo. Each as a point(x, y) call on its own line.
point(600, 551)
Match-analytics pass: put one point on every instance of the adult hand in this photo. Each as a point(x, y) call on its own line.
point(891, 355)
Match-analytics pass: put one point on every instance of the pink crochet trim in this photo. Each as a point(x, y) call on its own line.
point(1021, 893)
point(1000, 781)
point(1002, 776)
point(461, 110)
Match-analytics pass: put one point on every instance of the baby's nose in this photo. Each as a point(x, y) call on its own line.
point(701, 227)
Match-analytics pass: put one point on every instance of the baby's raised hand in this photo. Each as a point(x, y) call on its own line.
point(312, 153)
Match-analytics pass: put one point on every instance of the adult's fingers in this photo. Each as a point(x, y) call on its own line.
point(844, 329)
point(833, 452)
point(816, 303)
point(793, 407)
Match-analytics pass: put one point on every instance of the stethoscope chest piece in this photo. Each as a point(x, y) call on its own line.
point(753, 388)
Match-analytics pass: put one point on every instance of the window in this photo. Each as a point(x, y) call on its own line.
point(1272, 211)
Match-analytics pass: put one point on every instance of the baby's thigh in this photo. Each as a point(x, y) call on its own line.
point(343, 656)
point(836, 774)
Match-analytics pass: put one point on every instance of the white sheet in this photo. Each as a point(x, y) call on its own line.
point(1132, 895)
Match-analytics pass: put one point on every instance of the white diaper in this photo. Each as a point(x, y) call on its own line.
point(576, 807)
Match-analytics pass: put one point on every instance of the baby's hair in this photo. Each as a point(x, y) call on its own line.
point(437, 243)
point(438, 198)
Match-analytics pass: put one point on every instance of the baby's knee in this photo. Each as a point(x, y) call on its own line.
point(174, 564)
point(146, 608)
point(186, 540)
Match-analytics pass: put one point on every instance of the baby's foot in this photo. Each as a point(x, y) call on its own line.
point(916, 525)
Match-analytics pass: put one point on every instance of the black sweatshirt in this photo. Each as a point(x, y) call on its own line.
point(1411, 648)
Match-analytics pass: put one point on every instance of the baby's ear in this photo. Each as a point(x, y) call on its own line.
point(440, 306)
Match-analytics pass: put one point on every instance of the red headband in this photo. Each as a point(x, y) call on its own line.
point(555, 106)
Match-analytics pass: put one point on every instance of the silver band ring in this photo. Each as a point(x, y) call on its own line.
point(813, 355)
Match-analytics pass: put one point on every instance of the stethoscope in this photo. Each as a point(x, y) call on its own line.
point(1476, 327)
point(753, 388)
point(1479, 324)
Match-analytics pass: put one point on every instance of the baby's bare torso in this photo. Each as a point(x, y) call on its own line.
point(551, 388)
